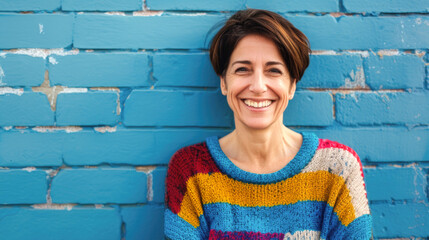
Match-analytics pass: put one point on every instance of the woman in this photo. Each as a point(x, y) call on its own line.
point(263, 180)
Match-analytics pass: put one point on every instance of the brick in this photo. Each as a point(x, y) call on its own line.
point(102, 5)
point(333, 71)
point(28, 109)
point(358, 32)
point(25, 148)
point(295, 5)
point(390, 183)
point(393, 72)
point(11, 73)
point(134, 147)
point(309, 109)
point(29, 5)
point(400, 220)
point(35, 30)
point(100, 70)
point(97, 31)
point(128, 146)
point(89, 108)
point(184, 69)
point(101, 185)
point(158, 184)
point(396, 6)
point(48, 224)
point(361, 108)
point(185, 108)
point(141, 221)
point(204, 5)
point(383, 144)
point(22, 187)
point(168, 142)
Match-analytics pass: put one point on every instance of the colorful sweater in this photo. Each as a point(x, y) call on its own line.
point(320, 194)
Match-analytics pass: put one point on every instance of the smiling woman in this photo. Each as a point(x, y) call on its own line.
point(264, 180)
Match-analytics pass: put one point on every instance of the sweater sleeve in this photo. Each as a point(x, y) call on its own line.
point(183, 217)
point(361, 225)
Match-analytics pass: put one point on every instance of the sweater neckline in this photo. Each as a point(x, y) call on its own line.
point(309, 145)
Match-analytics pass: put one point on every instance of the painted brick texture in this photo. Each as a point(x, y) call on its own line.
point(96, 96)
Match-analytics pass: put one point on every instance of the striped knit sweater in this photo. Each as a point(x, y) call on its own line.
point(320, 194)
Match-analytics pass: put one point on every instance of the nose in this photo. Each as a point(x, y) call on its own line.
point(258, 84)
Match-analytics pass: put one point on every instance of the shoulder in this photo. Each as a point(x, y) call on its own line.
point(335, 158)
point(191, 160)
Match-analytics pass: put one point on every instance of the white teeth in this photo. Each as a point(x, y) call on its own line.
point(254, 104)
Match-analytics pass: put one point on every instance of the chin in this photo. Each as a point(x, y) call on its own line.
point(257, 124)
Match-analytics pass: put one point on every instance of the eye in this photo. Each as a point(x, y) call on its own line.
point(241, 69)
point(275, 70)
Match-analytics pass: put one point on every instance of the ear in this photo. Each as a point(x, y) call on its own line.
point(223, 87)
point(292, 89)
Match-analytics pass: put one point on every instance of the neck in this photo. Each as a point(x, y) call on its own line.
point(268, 148)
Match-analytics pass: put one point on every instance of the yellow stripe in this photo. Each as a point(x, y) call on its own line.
point(312, 186)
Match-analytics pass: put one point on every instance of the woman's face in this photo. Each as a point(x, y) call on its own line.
point(257, 83)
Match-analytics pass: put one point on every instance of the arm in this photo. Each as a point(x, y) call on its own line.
point(184, 217)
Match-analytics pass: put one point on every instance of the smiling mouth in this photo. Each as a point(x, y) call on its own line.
point(260, 104)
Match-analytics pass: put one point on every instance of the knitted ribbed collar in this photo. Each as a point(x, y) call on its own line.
point(308, 148)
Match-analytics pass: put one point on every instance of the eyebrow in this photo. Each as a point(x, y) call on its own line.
point(267, 64)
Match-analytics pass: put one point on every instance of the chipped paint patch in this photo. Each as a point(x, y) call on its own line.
point(55, 206)
point(98, 206)
point(3, 54)
point(2, 75)
point(146, 169)
point(43, 53)
point(41, 28)
point(9, 90)
point(105, 129)
point(74, 90)
point(148, 13)
point(68, 129)
point(105, 89)
point(364, 54)
point(53, 61)
point(115, 13)
point(323, 52)
point(356, 80)
point(7, 128)
point(29, 169)
point(149, 187)
point(390, 52)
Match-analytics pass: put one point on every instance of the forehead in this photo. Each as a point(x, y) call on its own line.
point(256, 48)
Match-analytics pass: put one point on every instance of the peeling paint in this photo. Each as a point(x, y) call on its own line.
point(29, 169)
point(323, 52)
point(98, 206)
point(105, 129)
point(3, 54)
point(69, 129)
point(2, 75)
point(148, 13)
point(43, 53)
point(391, 52)
point(7, 128)
point(74, 90)
point(41, 28)
point(189, 14)
point(115, 13)
point(53, 61)
point(52, 172)
point(146, 169)
point(364, 54)
point(9, 90)
point(106, 89)
point(56, 206)
point(356, 80)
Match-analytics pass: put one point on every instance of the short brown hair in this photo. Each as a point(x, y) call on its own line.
point(292, 43)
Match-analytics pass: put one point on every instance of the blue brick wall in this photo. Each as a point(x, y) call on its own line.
point(96, 96)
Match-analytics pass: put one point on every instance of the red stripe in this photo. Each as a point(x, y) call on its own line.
point(184, 164)
point(244, 235)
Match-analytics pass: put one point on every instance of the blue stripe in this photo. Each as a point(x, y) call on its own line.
point(305, 215)
point(177, 228)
